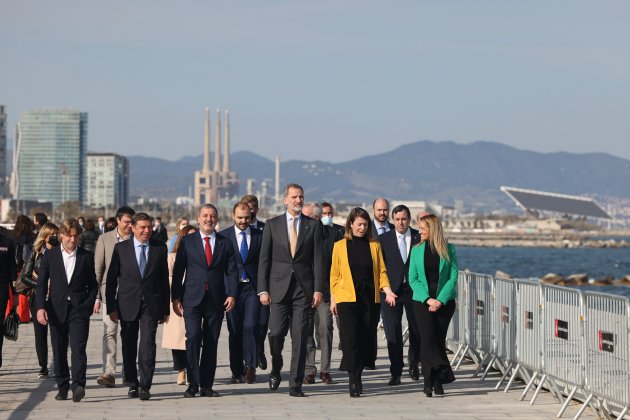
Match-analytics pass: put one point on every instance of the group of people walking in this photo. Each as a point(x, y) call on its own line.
point(292, 273)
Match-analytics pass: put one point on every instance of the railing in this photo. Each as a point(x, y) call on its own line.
point(573, 343)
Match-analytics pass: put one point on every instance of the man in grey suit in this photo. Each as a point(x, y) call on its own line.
point(102, 258)
point(290, 280)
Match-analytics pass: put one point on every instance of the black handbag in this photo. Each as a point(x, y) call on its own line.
point(11, 324)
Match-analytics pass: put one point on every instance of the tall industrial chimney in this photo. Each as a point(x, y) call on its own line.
point(206, 144)
point(217, 143)
point(226, 145)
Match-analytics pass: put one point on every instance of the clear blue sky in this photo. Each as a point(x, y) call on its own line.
point(329, 80)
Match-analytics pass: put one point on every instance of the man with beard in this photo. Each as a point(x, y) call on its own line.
point(380, 211)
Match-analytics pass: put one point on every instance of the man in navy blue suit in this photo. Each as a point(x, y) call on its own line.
point(243, 320)
point(207, 260)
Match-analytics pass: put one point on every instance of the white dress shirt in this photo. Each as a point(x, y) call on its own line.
point(379, 226)
point(297, 225)
point(239, 241)
point(69, 261)
point(213, 237)
point(407, 236)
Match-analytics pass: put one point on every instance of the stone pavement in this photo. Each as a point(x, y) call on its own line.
point(23, 396)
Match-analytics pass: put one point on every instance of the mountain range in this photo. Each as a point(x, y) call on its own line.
point(424, 170)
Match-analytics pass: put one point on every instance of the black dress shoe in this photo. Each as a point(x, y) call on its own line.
point(133, 392)
point(262, 361)
point(296, 392)
point(354, 391)
point(437, 388)
point(190, 392)
point(78, 394)
point(414, 374)
point(360, 385)
point(394, 380)
point(237, 379)
point(144, 394)
point(208, 392)
point(274, 381)
point(62, 394)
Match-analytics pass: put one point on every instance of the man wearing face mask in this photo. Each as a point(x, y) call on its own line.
point(159, 231)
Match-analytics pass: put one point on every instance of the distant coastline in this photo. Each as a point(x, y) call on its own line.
point(607, 239)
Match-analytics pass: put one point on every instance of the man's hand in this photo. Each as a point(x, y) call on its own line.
point(42, 316)
point(265, 299)
point(178, 308)
point(229, 303)
point(97, 307)
point(114, 317)
point(317, 299)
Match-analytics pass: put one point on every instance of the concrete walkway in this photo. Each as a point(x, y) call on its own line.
point(23, 396)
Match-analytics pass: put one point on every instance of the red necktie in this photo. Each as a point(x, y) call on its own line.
point(208, 249)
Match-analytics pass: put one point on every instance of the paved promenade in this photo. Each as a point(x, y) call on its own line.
point(23, 396)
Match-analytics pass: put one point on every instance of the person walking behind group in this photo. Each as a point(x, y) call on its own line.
point(23, 238)
point(8, 273)
point(159, 230)
point(357, 278)
point(102, 258)
point(89, 237)
point(207, 260)
point(290, 280)
point(396, 245)
point(181, 223)
point(243, 320)
point(66, 275)
point(380, 211)
point(174, 331)
point(139, 297)
point(46, 240)
point(433, 279)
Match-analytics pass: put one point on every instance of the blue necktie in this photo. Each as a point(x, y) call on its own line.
point(243, 253)
point(142, 264)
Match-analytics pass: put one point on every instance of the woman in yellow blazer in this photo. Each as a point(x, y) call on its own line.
point(357, 275)
point(433, 279)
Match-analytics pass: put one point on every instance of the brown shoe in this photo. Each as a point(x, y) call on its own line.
point(326, 378)
point(309, 379)
point(106, 380)
point(250, 375)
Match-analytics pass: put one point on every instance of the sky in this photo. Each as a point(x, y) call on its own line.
point(330, 80)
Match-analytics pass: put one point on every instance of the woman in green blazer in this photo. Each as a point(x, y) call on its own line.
point(433, 279)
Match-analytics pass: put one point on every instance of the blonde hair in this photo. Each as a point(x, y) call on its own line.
point(436, 240)
point(46, 230)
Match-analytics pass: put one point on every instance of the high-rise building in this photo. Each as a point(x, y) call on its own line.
point(107, 180)
point(3, 152)
point(49, 156)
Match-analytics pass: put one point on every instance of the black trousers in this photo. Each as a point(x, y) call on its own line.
point(73, 333)
point(432, 328)
point(41, 336)
point(358, 322)
point(146, 325)
point(392, 323)
point(4, 299)
point(293, 312)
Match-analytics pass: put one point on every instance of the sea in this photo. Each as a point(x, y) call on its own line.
point(536, 262)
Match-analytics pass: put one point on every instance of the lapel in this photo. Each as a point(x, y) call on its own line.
point(305, 227)
point(421, 265)
point(57, 251)
point(131, 246)
point(150, 257)
point(216, 252)
point(284, 233)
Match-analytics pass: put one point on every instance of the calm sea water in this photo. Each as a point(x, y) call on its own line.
point(536, 262)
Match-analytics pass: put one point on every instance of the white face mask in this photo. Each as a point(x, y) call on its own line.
point(327, 220)
point(101, 223)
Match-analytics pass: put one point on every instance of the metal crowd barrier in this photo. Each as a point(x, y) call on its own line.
point(504, 325)
point(455, 334)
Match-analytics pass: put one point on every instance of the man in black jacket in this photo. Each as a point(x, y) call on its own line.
point(66, 274)
point(137, 281)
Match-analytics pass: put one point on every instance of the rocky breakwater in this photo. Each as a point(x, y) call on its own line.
point(532, 240)
point(582, 279)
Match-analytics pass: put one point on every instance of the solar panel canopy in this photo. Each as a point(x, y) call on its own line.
point(559, 203)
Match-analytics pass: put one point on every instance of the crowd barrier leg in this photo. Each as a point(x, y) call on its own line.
point(514, 373)
point(586, 404)
point(505, 375)
point(622, 414)
point(566, 403)
point(456, 355)
point(490, 364)
point(485, 356)
point(529, 385)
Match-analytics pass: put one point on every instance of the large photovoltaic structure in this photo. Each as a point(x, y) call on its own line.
point(558, 203)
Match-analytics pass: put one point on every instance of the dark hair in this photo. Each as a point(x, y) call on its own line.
point(289, 186)
point(401, 207)
point(356, 213)
point(89, 225)
point(185, 230)
point(158, 218)
point(124, 211)
point(111, 224)
point(240, 204)
point(250, 199)
point(327, 204)
point(141, 217)
point(40, 218)
point(23, 226)
point(207, 206)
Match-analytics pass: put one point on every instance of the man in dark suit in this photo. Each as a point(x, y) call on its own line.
point(8, 273)
point(159, 231)
point(396, 245)
point(66, 274)
point(137, 283)
point(263, 317)
point(243, 320)
point(207, 259)
point(290, 280)
point(380, 211)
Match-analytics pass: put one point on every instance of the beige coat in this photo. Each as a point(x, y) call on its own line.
point(174, 334)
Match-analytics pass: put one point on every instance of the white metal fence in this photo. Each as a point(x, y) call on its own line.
point(556, 337)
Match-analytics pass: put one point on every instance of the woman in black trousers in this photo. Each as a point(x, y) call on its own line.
point(357, 275)
point(46, 240)
point(433, 279)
